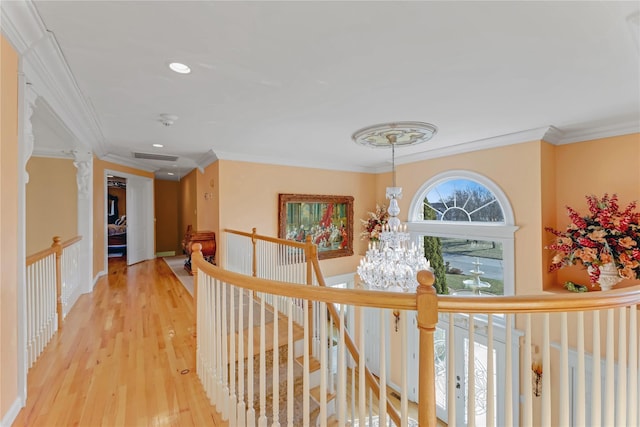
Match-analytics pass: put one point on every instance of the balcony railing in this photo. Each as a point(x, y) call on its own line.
point(260, 362)
point(52, 289)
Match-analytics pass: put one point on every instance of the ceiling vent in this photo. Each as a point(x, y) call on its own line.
point(149, 156)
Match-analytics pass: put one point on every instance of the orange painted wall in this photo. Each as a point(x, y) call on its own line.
point(51, 202)
point(206, 200)
point(8, 225)
point(608, 165)
point(188, 213)
point(517, 170)
point(249, 198)
point(166, 211)
point(99, 198)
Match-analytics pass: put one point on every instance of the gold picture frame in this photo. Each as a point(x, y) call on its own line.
point(328, 219)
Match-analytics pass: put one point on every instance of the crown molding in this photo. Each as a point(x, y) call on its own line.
point(279, 161)
point(53, 153)
point(606, 131)
point(124, 161)
point(205, 160)
point(21, 24)
point(536, 134)
point(46, 69)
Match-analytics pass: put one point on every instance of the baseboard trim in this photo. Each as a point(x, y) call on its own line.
point(96, 278)
point(166, 253)
point(12, 413)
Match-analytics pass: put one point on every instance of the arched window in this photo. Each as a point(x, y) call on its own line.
point(473, 220)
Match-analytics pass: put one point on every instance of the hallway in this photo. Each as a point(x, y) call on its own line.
point(125, 357)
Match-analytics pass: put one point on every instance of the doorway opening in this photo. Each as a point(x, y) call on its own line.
point(116, 216)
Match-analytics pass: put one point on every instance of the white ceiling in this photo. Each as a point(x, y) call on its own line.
point(289, 82)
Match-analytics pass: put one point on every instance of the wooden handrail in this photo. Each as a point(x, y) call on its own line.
point(359, 297)
point(294, 243)
point(31, 259)
point(540, 303)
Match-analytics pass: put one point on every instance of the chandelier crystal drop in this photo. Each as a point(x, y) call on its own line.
point(393, 262)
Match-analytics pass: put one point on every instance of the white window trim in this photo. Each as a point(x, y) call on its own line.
point(503, 233)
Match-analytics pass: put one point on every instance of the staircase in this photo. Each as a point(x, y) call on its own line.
point(298, 363)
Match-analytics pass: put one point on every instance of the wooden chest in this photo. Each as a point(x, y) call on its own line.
point(208, 241)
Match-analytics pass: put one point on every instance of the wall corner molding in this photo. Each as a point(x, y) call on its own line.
point(46, 69)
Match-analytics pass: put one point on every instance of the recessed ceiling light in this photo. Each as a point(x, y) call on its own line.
point(158, 145)
point(170, 173)
point(179, 67)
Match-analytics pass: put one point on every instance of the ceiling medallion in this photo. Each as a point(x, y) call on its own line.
point(402, 134)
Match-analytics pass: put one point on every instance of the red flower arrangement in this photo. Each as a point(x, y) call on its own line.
point(373, 224)
point(607, 235)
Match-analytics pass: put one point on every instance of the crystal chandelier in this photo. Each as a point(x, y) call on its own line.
point(393, 262)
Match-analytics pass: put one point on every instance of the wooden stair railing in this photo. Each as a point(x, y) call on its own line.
point(328, 295)
point(44, 280)
point(313, 269)
point(371, 380)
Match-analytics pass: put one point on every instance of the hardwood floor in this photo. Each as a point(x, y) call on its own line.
point(125, 357)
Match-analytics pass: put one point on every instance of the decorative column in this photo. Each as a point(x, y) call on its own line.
point(84, 178)
point(28, 139)
point(27, 97)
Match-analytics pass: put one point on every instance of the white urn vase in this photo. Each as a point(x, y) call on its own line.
point(609, 276)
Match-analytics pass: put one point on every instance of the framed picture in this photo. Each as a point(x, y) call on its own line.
point(327, 219)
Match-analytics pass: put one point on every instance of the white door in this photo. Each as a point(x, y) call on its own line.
point(461, 370)
point(139, 219)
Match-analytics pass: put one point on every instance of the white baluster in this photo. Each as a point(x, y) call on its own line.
point(471, 374)
point(564, 370)
point(225, 355)
point(262, 420)
point(233, 399)
point(490, 373)
point(323, 364)
point(632, 401)
point(621, 395)
point(241, 417)
point(219, 360)
point(404, 403)
point(332, 388)
point(609, 391)
point(451, 372)
point(528, 400)
point(580, 412)
point(361, 364)
point(290, 365)
point(342, 381)
point(596, 389)
point(382, 407)
point(251, 412)
point(275, 396)
point(508, 389)
point(305, 352)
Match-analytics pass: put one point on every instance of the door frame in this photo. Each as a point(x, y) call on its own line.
point(149, 250)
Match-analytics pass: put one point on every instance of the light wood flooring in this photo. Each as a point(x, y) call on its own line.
point(125, 357)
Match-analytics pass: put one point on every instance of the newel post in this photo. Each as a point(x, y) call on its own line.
point(57, 246)
point(427, 302)
point(196, 258)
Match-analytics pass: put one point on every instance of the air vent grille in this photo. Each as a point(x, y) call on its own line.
point(149, 156)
